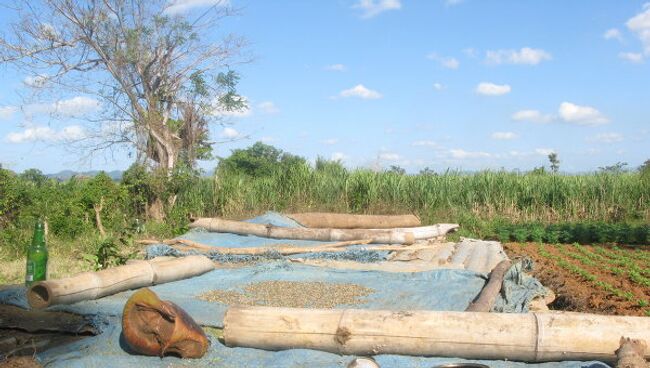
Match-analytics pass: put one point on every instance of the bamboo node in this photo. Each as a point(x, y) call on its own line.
point(343, 335)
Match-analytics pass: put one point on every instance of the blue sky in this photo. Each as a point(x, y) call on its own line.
point(438, 83)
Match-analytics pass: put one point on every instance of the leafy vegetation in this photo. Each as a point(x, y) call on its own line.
point(601, 207)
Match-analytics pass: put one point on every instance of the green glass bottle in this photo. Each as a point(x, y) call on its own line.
point(37, 256)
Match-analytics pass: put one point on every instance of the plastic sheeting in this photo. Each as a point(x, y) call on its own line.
point(434, 290)
point(518, 289)
point(444, 289)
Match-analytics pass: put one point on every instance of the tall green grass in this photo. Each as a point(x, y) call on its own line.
point(485, 204)
point(451, 196)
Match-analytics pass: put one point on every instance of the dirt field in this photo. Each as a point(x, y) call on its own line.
point(595, 279)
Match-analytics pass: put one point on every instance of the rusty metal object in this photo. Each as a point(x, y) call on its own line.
point(151, 326)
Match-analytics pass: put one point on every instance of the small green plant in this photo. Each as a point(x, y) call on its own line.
point(106, 255)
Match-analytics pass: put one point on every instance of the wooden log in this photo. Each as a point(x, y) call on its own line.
point(528, 337)
point(381, 236)
point(289, 250)
point(94, 285)
point(347, 221)
point(209, 248)
point(491, 290)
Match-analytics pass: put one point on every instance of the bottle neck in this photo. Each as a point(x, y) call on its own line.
point(39, 236)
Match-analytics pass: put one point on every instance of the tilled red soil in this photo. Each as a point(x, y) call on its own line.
point(574, 292)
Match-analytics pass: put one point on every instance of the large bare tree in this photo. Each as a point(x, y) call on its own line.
point(158, 74)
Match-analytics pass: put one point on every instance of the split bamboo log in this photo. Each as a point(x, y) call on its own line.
point(189, 244)
point(491, 290)
point(94, 285)
point(529, 337)
point(289, 250)
point(381, 236)
point(347, 221)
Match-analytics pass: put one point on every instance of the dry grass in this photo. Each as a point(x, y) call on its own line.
point(60, 264)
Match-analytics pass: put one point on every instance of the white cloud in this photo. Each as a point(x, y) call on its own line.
point(470, 52)
point(425, 144)
point(336, 68)
point(607, 138)
point(72, 107)
point(503, 136)
point(633, 57)
point(338, 156)
point(362, 92)
point(46, 134)
point(182, 6)
point(533, 116)
point(526, 56)
point(491, 89)
point(640, 25)
point(230, 133)
point(268, 107)
point(330, 141)
point(447, 62)
point(7, 112)
point(389, 156)
point(35, 80)
point(544, 151)
point(76, 106)
point(453, 2)
point(581, 115)
point(462, 154)
point(438, 86)
point(613, 34)
point(371, 8)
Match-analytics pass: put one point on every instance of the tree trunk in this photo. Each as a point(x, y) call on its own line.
point(98, 217)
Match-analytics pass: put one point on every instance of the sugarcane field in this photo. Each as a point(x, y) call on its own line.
point(331, 184)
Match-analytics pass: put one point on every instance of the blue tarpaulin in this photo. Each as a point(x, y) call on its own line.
point(431, 290)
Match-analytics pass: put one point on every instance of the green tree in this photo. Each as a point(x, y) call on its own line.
point(395, 169)
point(258, 160)
point(34, 176)
point(555, 162)
point(159, 80)
point(98, 194)
point(617, 168)
point(644, 169)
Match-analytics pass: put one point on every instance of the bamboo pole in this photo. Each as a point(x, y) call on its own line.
point(347, 221)
point(289, 250)
point(94, 285)
point(491, 290)
point(529, 337)
point(381, 236)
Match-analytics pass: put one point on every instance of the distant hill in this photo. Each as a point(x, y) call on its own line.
point(67, 174)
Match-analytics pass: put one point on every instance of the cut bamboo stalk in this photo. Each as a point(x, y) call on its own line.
point(381, 236)
point(289, 250)
point(491, 290)
point(210, 248)
point(94, 285)
point(346, 221)
point(529, 337)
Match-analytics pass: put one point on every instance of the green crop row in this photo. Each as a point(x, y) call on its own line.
point(586, 275)
point(633, 272)
point(581, 232)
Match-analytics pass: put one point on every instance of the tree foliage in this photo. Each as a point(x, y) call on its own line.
point(259, 160)
point(159, 75)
